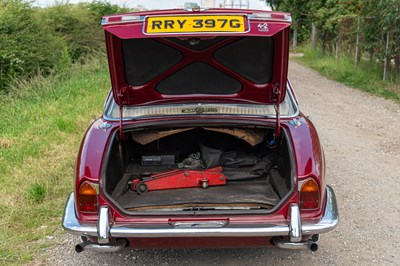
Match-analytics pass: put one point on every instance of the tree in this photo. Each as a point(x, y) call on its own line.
point(337, 24)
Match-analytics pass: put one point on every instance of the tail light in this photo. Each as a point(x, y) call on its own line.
point(309, 195)
point(87, 198)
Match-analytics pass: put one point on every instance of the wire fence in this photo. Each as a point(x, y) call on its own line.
point(361, 39)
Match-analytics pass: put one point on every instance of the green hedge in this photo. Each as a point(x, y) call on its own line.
point(25, 46)
point(48, 39)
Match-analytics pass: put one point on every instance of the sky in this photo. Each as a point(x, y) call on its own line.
point(154, 4)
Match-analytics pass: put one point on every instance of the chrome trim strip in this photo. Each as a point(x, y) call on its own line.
point(243, 231)
point(293, 93)
point(295, 104)
point(295, 223)
point(105, 22)
point(199, 224)
point(71, 224)
point(103, 226)
point(330, 219)
point(287, 20)
point(328, 222)
point(180, 116)
point(111, 102)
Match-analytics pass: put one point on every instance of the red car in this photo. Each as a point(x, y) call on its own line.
point(201, 143)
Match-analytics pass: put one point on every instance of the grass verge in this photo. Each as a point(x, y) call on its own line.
point(366, 76)
point(42, 123)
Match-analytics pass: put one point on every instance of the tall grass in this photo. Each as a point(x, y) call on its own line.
point(365, 76)
point(42, 123)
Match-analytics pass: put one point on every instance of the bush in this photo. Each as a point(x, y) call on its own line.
point(25, 46)
point(75, 25)
point(78, 25)
point(44, 40)
point(102, 8)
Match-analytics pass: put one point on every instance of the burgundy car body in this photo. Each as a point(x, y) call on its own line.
point(287, 226)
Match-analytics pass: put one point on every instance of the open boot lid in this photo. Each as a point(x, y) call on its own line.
point(205, 56)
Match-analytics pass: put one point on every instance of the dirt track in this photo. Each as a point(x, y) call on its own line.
point(361, 137)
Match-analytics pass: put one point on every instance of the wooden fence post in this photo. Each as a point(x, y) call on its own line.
point(295, 34)
point(313, 34)
point(357, 40)
point(385, 63)
point(337, 48)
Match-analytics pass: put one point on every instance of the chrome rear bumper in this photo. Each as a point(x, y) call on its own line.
point(294, 229)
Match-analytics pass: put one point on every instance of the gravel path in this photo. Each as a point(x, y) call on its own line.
point(361, 137)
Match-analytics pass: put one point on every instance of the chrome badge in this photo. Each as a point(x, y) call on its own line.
point(262, 27)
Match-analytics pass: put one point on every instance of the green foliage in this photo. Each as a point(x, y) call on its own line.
point(43, 121)
point(303, 13)
point(45, 40)
point(75, 25)
point(25, 47)
point(99, 9)
point(42, 124)
point(78, 25)
point(337, 26)
point(366, 77)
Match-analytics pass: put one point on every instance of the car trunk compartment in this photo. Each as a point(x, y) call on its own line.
point(258, 174)
point(248, 195)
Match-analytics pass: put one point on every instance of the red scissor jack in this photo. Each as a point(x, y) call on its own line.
point(180, 179)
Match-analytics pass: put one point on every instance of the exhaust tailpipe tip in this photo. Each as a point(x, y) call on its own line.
point(78, 248)
point(285, 244)
point(88, 245)
point(315, 238)
point(81, 246)
point(122, 242)
point(313, 246)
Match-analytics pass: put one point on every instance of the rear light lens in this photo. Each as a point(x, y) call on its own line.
point(87, 198)
point(309, 195)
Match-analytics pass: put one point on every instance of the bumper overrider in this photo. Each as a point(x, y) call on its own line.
point(294, 229)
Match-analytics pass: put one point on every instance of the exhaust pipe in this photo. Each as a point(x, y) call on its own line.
point(313, 246)
point(80, 247)
point(285, 244)
point(88, 245)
